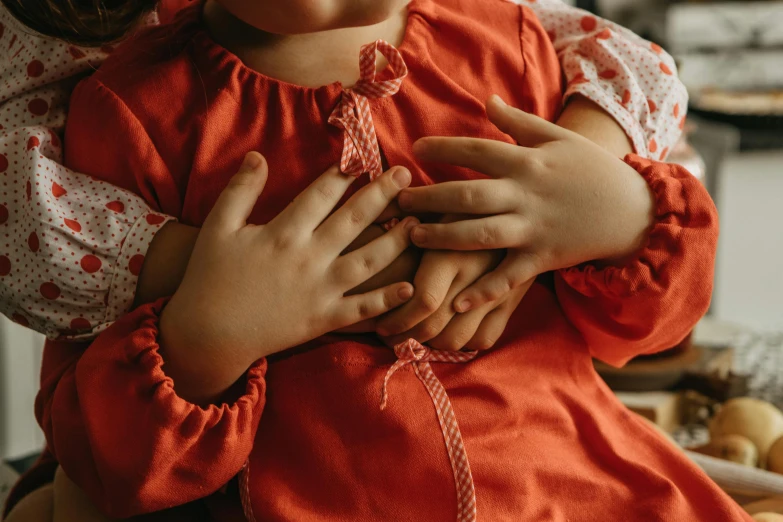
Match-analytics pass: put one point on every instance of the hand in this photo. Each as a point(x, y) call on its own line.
point(430, 318)
point(555, 200)
point(252, 291)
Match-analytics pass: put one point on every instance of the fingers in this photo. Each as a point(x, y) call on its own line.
point(527, 129)
point(492, 327)
point(359, 212)
point(503, 231)
point(391, 212)
point(432, 326)
point(316, 202)
point(484, 196)
point(493, 158)
point(362, 264)
point(237, 200)
point(358, 308)
point(432, 283)
point(512, 273)
point(456, 335)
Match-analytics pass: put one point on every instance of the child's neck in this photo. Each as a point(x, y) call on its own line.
point(309, 60)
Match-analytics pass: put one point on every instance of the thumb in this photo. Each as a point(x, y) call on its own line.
point(237, 200)
point(527, 129)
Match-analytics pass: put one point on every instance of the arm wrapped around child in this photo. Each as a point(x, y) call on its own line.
point(632, 243)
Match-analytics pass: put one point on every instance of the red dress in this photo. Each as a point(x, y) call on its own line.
point(171, 116)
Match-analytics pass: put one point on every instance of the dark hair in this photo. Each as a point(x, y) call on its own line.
point(81, 22)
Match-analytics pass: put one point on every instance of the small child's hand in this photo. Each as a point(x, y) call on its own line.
point(555, 200)
point(252, 291)
point(430, 317)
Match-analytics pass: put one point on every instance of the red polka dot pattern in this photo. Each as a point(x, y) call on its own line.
point(90, 264)
point(155, 219)
point(35, 69)
point(42, 204)
point(5, 266)
point(589, 23)
point(116, 206)
point(135, 265)
point(38, 107)
point(50, 291)
point(604, 35)
point(33, 242)
point(57, 190)
point(80, 324)
point(632, 79)
point(76, 53)
point(73, 225)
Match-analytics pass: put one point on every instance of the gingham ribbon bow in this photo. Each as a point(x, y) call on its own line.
point(414, 353)
point(360, 143)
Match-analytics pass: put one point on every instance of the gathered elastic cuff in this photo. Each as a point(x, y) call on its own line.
point(672, 187)
point(145, 353)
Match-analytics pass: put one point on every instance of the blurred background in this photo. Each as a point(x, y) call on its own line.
point(730, 56)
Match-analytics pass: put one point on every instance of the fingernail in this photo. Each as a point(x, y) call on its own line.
point(500, 100)
point(405, 293)
point(411, 222)
point(419, 235)
point(418, 147)
point(404, 200)
point(252, 162)
point(402, 177)
point(464, 306)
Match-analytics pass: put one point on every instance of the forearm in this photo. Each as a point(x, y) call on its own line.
point(89, 405)
point(202, 372)
point(587, 119)
point(590, 121)
point(654, 300)
point(165, 263)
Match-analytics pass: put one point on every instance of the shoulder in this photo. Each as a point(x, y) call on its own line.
point(483, 8)
point(152, 67)
point(471, 26)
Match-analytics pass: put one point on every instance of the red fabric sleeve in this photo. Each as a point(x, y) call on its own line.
point(118, 429)
point(652, 303)
point(109, 412)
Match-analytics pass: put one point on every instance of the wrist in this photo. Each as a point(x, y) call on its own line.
point(202, 361)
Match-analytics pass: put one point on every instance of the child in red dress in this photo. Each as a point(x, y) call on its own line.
point(238, 375)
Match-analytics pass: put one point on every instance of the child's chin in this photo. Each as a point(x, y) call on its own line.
point(377, 11)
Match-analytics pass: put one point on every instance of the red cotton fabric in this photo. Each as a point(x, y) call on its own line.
point(171, 116)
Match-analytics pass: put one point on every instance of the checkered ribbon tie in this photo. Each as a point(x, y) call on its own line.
point(353, 114)
point(414, 353)
point(244, 492)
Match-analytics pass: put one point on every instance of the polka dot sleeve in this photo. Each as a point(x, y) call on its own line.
point(71, 247)
point(630, 78)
